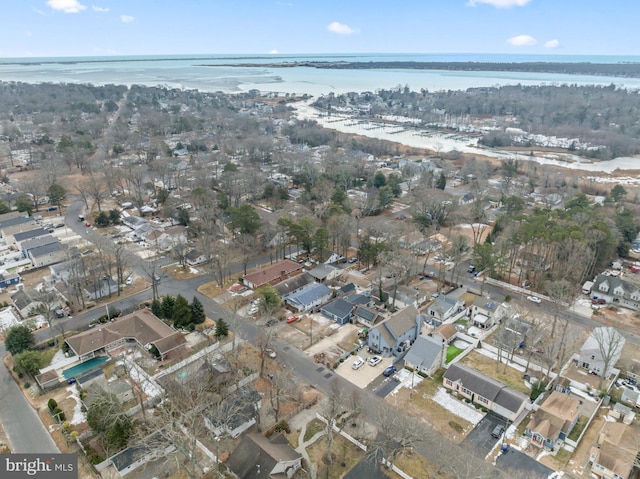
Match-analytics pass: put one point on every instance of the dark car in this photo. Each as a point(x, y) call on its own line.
point(389, 371)
point(271, 322)
point(471, 269)
point(598, 301)
point(497, 431)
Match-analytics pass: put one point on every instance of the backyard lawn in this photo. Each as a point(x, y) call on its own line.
point(509, 376)
point(452, 352)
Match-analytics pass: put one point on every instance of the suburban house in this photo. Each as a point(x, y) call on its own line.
point(25, 302)
point(140, 328)
point(29, 244)
point(406, 296)
point(553, 421)
point(120, 388)
point(325, 272)
point(273, 274)
point(236, 414)
point(164, 240)
point(367, 316)
point(444, 333)
point(426, 355)
point(615, 290)
point(309, 297)
point(148, 450)
point(9, 279)
point(444, 307)
point(484, 312)
point(18, 224)
point(395, 334)
point(602, 343)
point(485, 391)
point(616, 451)
point(259, 457)
point(195, 257)
point(30, 234)
point(134, 222)
point(47, 254)
point(339, 310)
point(101, 288)
point(630, 396)
point(294, 284)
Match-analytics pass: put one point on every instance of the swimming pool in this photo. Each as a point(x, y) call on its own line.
point(78, 369)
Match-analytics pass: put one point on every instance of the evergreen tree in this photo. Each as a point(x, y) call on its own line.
point(181, 314)
point(156, 308)
point(197, 311)
point(18, 338)
point(222, 328)
point(441, 183)
point(168, 302)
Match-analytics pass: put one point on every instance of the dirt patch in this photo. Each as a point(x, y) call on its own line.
point(620, 318)
point(345, 455)
point(422, 407)
point(509, 376)
point(179, 272)
point(212, 290)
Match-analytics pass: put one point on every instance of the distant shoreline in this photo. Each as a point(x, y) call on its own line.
point(623, 70)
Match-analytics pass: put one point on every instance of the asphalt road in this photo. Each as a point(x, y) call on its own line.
point(20, 421)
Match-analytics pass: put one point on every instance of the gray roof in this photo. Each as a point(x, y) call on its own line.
point(425, 351)
point(347, 288)
point(321, 271)
point(256, 456)
point(339, 308)
point(21, 299)
point(358, 299)
point(486, 386)
point(34, 233)
point(631, 396)
point(45, 249)
point(309, 294)
point(613, 282)
point(292, 284)
point(16, 221)
point(402, 320)
point(484, 303)
point(366, 313)
point(37, 242)
point(443, 304)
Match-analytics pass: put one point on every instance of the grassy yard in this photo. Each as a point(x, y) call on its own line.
point(511, 377)
point(345, 456)
point(578, 428)
point(453, 352)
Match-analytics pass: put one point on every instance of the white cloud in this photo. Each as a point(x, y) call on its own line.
point(40, 12)
point(66, 6)
point(341, 28)
point(127, 18)
point(499, 3)
point(552, 43)
point(100, 9)
point(522, 41)
point(273, 52)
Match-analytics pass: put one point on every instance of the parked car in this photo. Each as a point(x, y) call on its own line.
point(533, 299)
point(374, 360)
point(357, 364)
point(471, 269)
point(497, 431)
point(271, 353)
point(292, 319)
point(271, 322)
point(253, 310)
point(598, 301)
point(129, 280)
point(87, 224)
point(353, 260)
point(389, 371)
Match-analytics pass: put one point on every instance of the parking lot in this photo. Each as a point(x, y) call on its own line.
point(365, 374)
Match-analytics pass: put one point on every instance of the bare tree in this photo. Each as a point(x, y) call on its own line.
point(609, 343)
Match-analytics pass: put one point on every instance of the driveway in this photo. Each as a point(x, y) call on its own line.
point(517, 464)
point(363, 376)
point(480, 436)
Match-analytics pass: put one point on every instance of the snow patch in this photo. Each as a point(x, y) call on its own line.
point(456, 407)
point(78, 415)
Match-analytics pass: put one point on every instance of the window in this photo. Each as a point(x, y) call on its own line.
point(593, 356)
point(448, 382)
point(482, 400)
point(466, 391)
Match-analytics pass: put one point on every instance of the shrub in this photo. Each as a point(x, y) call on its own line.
point(59, 414)
point(27, 385)
point(507, 298)
point(282, 426)
point(52, 404)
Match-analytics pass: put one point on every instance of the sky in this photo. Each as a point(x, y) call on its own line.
point(53, 28)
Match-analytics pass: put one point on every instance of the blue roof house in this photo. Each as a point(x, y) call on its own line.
point(339, 310)
point(309, 297)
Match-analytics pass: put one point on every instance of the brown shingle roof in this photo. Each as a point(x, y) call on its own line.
point(142, 326)
point(275, 273)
